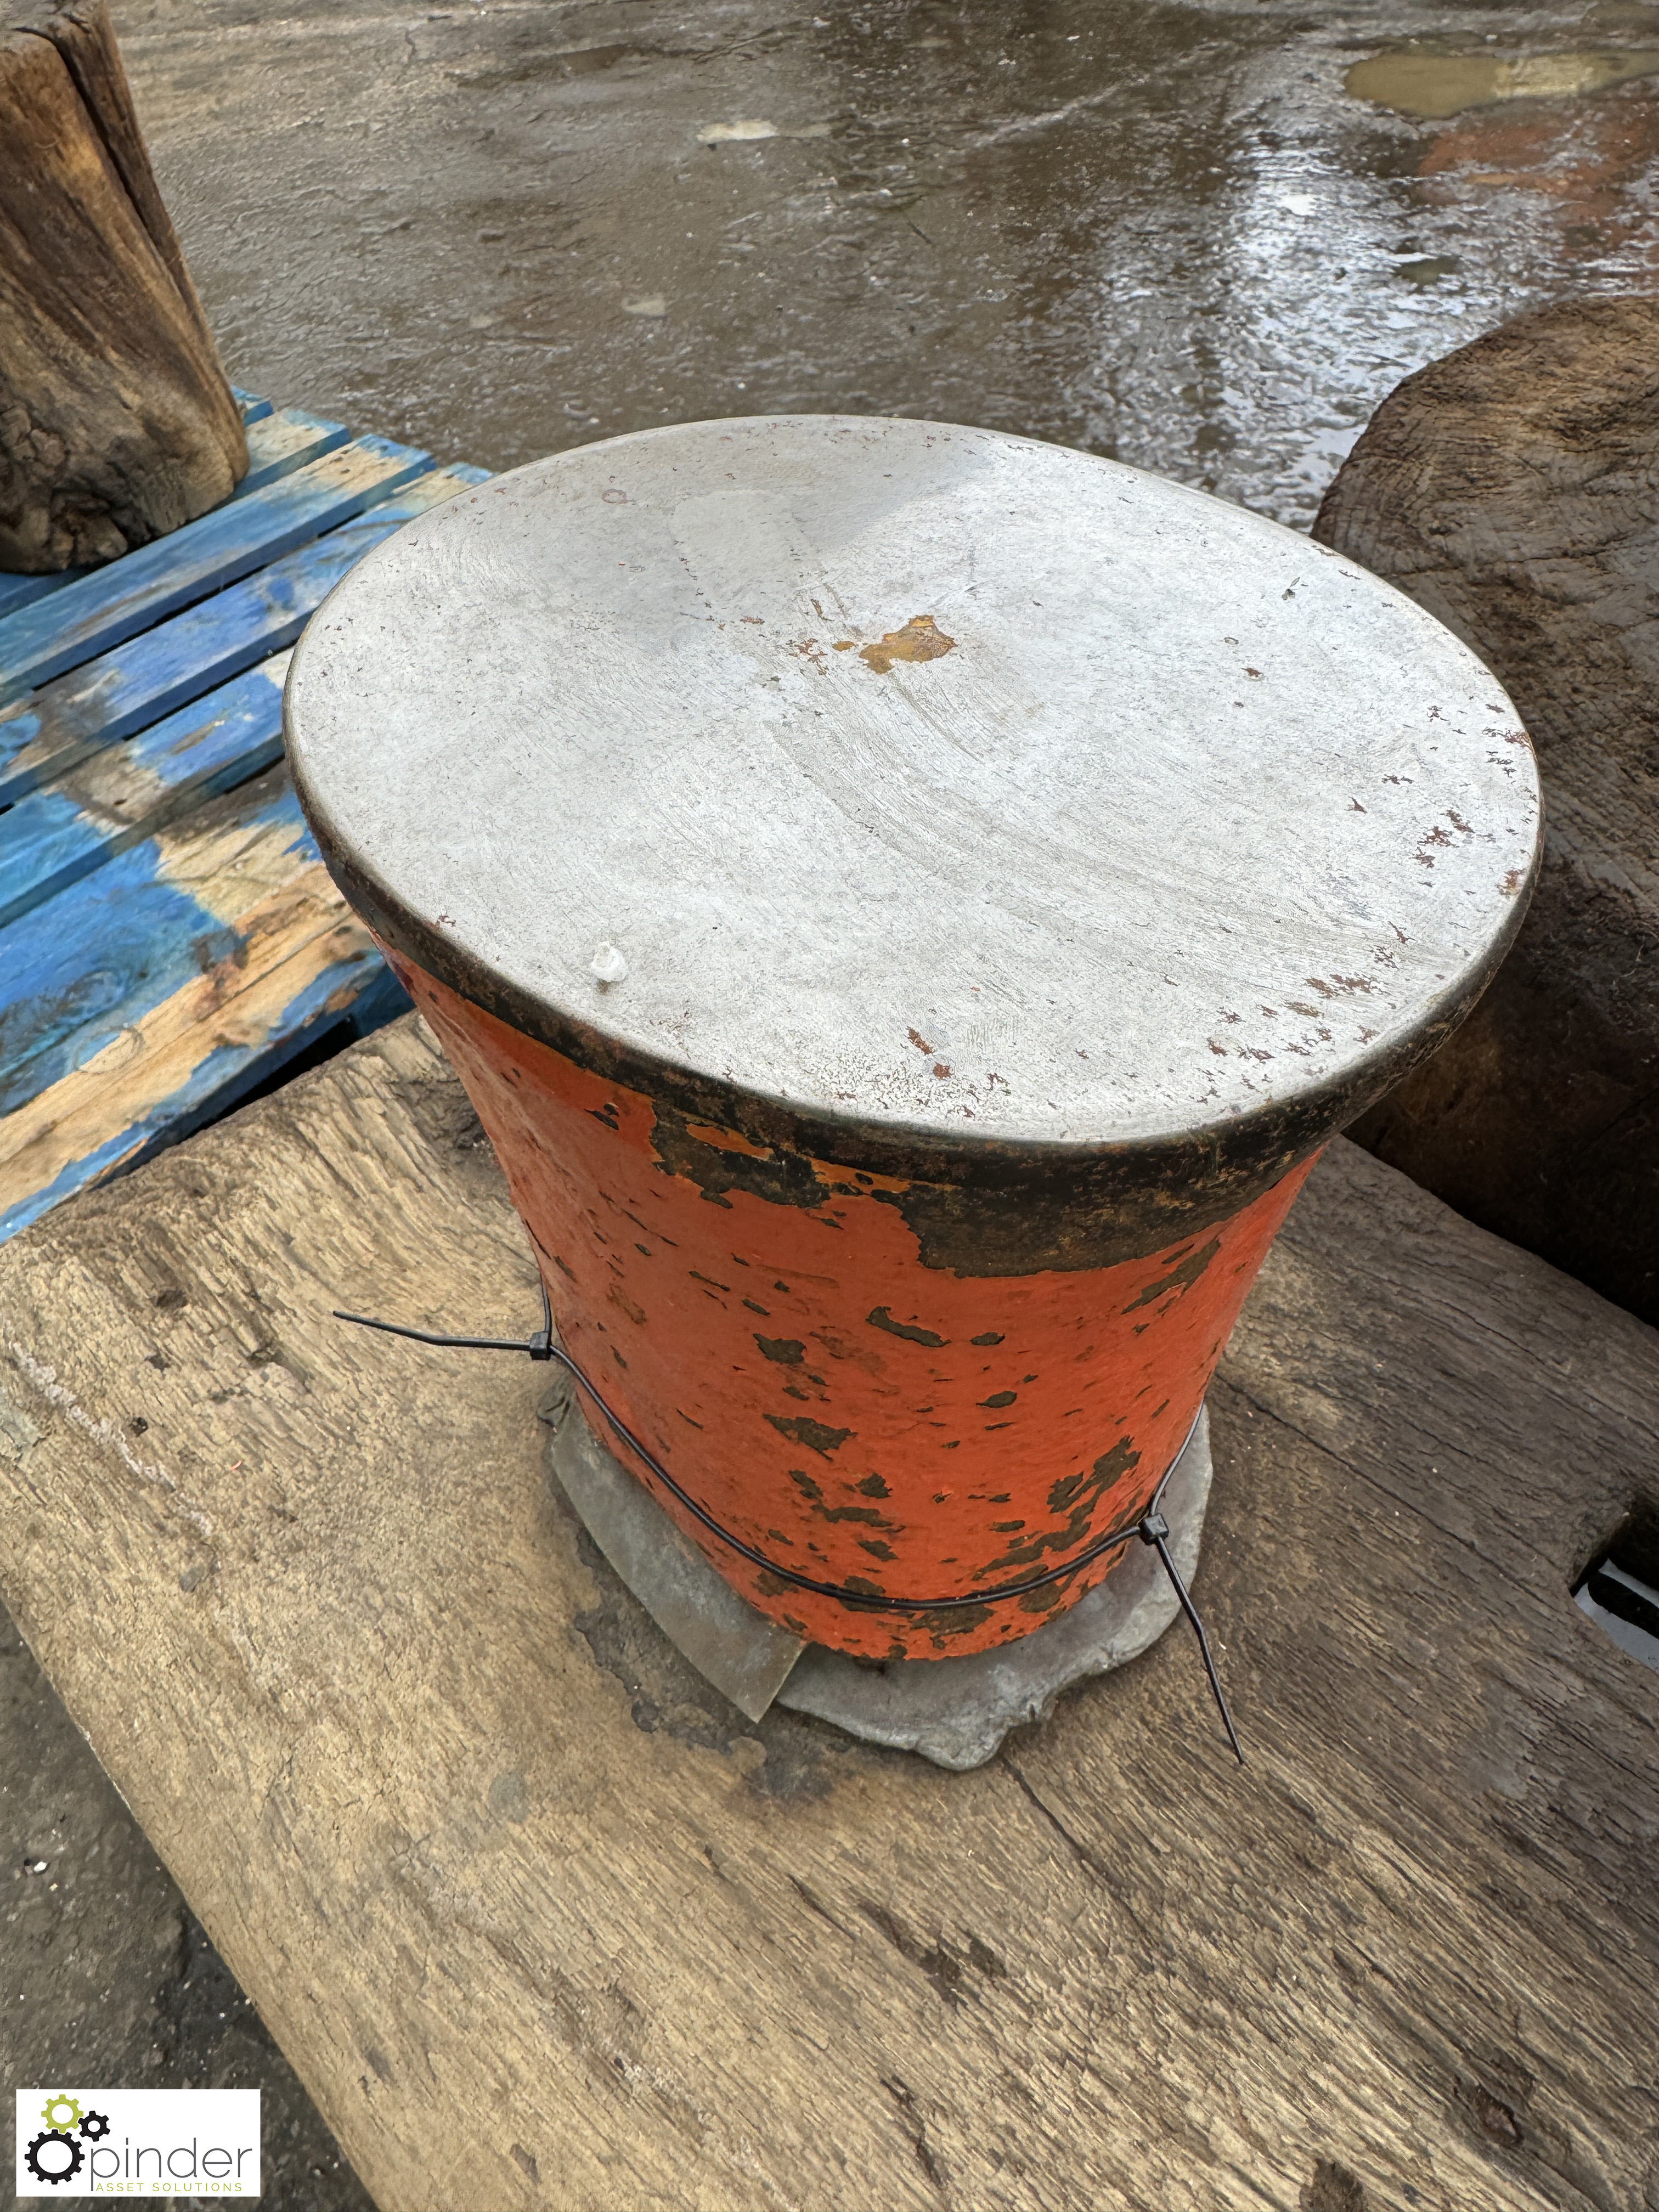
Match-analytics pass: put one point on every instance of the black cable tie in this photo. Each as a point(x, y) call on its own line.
point(1151, 1526)
point(1155, 1529)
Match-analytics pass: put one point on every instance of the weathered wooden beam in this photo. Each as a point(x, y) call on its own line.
point(541, 1920)
point(116, 422)
point(1513, 490)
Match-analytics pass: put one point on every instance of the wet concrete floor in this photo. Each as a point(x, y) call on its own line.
point(1164, 233)
point(1207, 239)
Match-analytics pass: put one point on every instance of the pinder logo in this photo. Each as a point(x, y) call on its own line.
point(138, 2142)
point(56, 2154)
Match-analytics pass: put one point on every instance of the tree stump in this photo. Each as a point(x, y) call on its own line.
point(1513, 490)
point(116, 422)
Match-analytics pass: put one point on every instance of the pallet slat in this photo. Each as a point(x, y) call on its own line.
point(112, 603)
point(45, 737)
point(54, 838)
point(145, 1000)
point(169, 938)
point(279, 444)
point(79, 967)
point(22, 590)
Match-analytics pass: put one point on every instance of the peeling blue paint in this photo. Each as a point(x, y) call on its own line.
point(157, 655)
point(87, 617)
point(48, 841)
point(147, 676)
point(224, 1077)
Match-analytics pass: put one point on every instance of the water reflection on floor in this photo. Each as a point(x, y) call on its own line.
point(1433, 84)
point(1206, 239)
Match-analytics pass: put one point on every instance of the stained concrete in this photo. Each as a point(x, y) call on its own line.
point(1166, 233)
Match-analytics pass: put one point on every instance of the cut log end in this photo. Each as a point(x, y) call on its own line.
point(117, 424)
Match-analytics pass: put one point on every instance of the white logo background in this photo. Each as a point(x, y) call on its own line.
point(160, 2142)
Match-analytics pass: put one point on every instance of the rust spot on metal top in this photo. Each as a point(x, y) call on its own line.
point(920, 639)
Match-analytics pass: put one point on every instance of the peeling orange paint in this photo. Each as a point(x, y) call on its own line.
point(903, 1430)
point(726, 1140)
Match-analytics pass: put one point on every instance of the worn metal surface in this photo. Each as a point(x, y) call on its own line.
point(954, 1711)
point(1194, 829)
point(957, 1711)
point(745, 1655)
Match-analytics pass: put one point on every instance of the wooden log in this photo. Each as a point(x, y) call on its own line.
point(99, 612)
point(540, 1920)
point(116, 422)
point(1513, 490)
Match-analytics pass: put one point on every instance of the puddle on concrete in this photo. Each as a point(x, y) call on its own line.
point(1424, 269)
point(753, 127)
point(1433, 86)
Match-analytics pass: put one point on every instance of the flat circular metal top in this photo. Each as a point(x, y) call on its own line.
point(917, 779)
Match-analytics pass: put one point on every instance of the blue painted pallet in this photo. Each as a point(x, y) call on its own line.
point(169, 936)
point(109, 605)
point(118, 693)
point(152, 998)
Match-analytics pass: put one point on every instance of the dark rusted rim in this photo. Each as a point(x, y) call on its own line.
point(1254, 1149)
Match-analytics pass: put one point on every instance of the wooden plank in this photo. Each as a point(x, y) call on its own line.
point(54, 838)
point(98, 611)
point(44, 736)
point(142, 1001)
point(540, 1920)
point(254, 409)
point(22, 590)
point(279, 444)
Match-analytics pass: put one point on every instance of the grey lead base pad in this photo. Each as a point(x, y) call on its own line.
point(953, 1711)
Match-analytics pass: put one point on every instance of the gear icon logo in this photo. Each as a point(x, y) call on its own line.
point(94, 2127)
point(45, 2157)
point(60, 2113)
